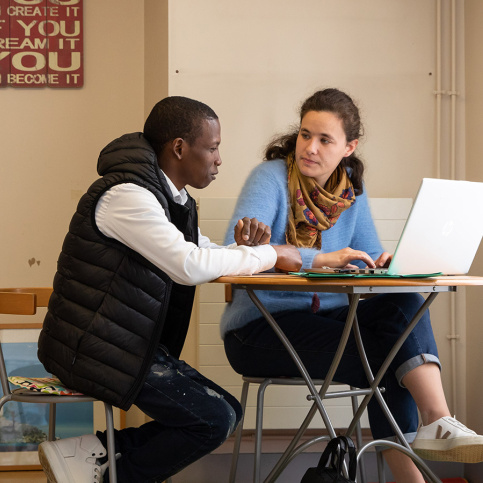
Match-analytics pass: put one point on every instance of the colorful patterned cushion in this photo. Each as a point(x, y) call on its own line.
point(47, 385)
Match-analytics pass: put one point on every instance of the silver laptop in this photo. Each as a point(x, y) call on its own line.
point(442, 233)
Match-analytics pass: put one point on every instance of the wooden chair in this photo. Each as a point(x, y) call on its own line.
point(24, 301)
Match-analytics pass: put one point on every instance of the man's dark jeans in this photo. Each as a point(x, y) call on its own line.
point(192, 416)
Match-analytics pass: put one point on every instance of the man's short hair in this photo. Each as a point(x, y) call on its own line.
point(176, 117)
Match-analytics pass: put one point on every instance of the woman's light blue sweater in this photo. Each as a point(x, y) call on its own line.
point(265, 197)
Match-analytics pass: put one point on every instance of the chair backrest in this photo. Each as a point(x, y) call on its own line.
point(18, 303)
point(42, 296)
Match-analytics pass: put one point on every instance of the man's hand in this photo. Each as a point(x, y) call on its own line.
point(251, 232)
point(288, 258)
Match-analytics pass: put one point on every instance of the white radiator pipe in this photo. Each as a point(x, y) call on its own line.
point(453, 92)
point(438, 93)
point(453, 299)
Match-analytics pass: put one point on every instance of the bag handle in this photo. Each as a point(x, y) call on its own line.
point(336, 450)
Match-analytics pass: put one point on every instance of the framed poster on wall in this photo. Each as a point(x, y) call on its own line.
point(41, 43)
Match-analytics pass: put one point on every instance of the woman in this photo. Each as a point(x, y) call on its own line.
point(310, 192)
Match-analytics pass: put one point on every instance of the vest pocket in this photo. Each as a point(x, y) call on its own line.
point(79, 342)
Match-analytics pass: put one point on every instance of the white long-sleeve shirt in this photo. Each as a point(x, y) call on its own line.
point(132, 215)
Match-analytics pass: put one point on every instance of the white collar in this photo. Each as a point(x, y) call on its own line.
point(181, 197)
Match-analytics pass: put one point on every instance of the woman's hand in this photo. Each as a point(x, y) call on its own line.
point(342, 258)
point(384, 260)
point(251, 232)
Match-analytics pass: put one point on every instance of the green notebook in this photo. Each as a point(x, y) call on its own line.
point(362, 275)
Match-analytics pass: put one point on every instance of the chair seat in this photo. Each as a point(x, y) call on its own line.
point(45, 385)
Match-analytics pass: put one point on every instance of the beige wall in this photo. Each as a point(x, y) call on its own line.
point(254, 62)
point(156, 41)
point(50, 139)
point(474, 170)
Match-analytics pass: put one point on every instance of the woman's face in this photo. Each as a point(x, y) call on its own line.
point(321, 145)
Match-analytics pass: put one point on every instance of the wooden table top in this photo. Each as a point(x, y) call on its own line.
point(300, 281)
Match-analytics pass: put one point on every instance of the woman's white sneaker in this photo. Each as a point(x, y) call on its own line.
point(448, 440)
point(73, 460)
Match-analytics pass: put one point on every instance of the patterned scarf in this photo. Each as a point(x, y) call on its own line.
point(315, 208)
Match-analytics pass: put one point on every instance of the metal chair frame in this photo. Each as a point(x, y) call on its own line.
point(25, 302)
point(292, 451)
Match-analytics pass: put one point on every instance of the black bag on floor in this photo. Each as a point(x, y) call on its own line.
point(334, 454)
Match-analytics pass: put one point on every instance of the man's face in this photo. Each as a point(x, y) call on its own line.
point(202, 158)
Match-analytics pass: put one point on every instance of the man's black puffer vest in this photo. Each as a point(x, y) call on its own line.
point(111, 307)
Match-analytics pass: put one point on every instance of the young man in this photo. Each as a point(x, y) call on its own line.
point(123, 295)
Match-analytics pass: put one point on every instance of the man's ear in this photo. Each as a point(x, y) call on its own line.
point(178, 146)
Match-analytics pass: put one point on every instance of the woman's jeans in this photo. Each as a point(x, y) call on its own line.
point(255, 350)
point(192, 416)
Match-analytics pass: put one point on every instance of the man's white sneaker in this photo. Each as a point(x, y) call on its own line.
point(448, 440)
point(73, 460)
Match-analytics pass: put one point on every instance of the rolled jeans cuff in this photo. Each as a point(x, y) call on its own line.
point(414, 362)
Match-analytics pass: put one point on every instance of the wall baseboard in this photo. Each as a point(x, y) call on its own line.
point(276, 440)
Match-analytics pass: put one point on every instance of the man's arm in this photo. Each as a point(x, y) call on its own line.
point(133, 216)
